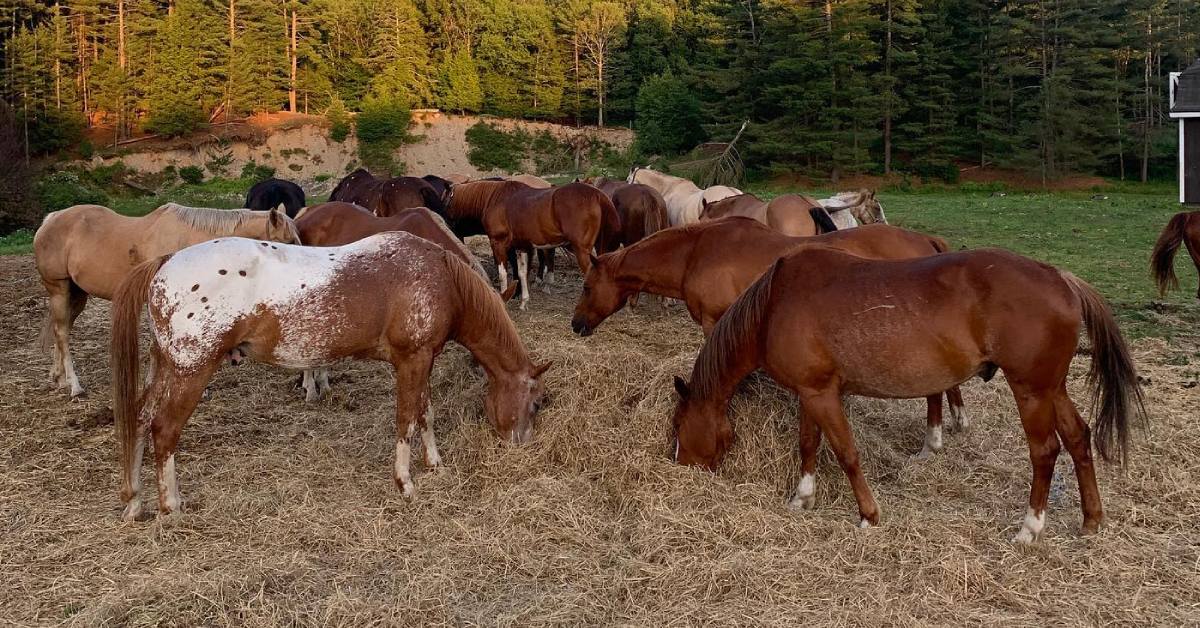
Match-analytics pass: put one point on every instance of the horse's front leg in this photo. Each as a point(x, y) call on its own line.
point(523, 276)
point(412, 400)
point(500, 255)
point(933, 427)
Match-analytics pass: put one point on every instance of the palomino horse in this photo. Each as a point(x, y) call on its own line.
point(683, 198)
point(851, 209)
point(392, 297)
point(272, 193)
point(337, 224)
point(921, 326)
point(86, 250)
point(1184, 228)
point(386, 197)
point(709, 264)
point(519, 218)
point(532, 181)
point(640, 208)
point(790, 214)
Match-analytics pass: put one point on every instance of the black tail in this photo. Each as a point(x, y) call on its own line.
point(821, 217)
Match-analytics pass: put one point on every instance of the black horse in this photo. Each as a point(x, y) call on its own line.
point(269, 194)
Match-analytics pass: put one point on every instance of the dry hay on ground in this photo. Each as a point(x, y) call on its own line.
point(293, 518)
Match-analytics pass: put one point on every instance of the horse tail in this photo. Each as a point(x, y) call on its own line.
point(1162, 259)
point(821, 217)
point(654, 215)
point(610, 223)
point(127, 305)
point(1112, 376)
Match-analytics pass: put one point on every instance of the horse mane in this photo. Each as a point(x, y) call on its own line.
point(477, 297)
point(738, 326)
point(353, 176)
point(463, 248)
point(213, 221)
point(482, 193)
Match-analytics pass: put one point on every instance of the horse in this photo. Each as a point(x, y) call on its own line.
point(640, 208)
point(921, 326)
point(386, 197)
point(709, 264)
point(789, 214)
point(443, 187)
point(272, 193)
point(1183, 228)
point(851, 209)
point(683, 198)
point(518, 218)
point(391, 297)
point(85, 250)
point(532, 181)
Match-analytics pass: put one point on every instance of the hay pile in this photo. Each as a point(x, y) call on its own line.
point(293, 518)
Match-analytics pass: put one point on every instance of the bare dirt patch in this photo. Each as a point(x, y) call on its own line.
point(293, 518)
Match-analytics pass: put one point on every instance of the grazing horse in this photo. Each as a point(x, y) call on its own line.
point(790, 214)
point(640, 208)
point(920, 326)
point(392, 297)
point(386, 197)
point(84, 251)
point(272, 193)
point(443, 187)
point(709, 264)
point(1183, 228)
point(851, 209)
point(683, 198)
point(518, 218)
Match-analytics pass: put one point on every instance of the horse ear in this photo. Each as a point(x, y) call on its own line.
point(681, 387)
point(274, 218)
point(508, 293)
point(537, 372)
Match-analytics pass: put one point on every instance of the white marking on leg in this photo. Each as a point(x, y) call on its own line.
point(310, 387)
point(864, 524)
point(959, 414)
point(503, 272)
point(933, 442)
point(323, 382)
point(1031, 527)
point(403, 475)
point(169, 486)
point(523, 276)
point(133, 508)
point(806, 492)
point(432, 457)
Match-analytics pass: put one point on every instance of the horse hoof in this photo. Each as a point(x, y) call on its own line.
point(78, 393)
point(803, 503)
point(863, 523)
point(133, 511)
point(1024, 537)
point(922, 455)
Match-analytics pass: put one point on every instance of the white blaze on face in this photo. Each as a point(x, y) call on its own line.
point(1031, 526)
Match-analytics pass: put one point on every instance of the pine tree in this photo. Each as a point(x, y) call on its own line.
point(458, 83)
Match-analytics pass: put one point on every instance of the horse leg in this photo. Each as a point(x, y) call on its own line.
point(433, 459)
point(310, 386)
point(933, 429)
point(1038, 418)
point(582, 257)
point(825, 408)
point(1077, 436)
point(323, 387)
point(957, 411)
point(64, 308)
point(810, 441)
point(173, 400)
point(500, 254)
point(523, 276)
point(412, 400)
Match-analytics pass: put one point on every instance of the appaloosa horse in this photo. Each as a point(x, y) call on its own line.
point(392, 297)
point(789, 214)
point(709, 264)
point(1183, 228)
point(272, 193)
point(920, 326)
point(386, 197)
point(84, 251)
point(684, 199)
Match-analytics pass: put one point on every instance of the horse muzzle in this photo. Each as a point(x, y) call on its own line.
point(580, 326)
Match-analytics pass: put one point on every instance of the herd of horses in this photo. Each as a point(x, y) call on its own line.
point(822, 295)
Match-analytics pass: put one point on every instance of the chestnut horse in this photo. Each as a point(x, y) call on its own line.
point(790, 214)
point(84, 251)
point(641, 210)
point(684, 199)
point(709, 264)
point(386, 197)
point(1183, 228)
point(392, 297)
point(920, 326)
point(518, 218)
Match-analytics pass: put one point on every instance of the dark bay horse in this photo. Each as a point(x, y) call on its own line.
point(709, 264)
point(392, 297)
point(519, 218)
point(272, 193)
point(1183, 228)
point(443, 187)
point(641, 210)
point(386, 197)
point(921, 326)
point(789, 214)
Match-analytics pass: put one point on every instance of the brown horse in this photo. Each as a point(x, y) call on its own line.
point(790, 214)
point(709, 264)
point(84, 251)
point(518, 218)
point(1184, 228)
point(641, 210)
point(392, 297)
point(387, 197)
point(921, 326)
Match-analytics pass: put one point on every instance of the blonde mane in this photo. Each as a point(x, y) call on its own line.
point(220, 222)
point(737, 329)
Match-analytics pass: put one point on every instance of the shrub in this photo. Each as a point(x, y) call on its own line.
point(175, 119)
point(106, 175)
point(192, 175)
point(381, 127)
point(668, 116)
point(18, 206)
point(86, 150)
point(493, 149)
point(54, 130)
point(339, 119)
point(65, 188)
point(257, 172)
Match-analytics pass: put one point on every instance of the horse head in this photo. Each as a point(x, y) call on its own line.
point(280, 228)
point(513, 402)
point(602, 296)
point(702, 434)
point(632, 178)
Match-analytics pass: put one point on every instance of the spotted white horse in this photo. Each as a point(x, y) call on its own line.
point(851, 209)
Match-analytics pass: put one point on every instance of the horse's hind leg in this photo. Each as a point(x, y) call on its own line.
point(66, 302)
point(433, 459)
point(316, 384)
point(523, 276)
point(412, 400)
point(1077, 436)
point(168, 405)
point(933, 427)
point(1038, 417)
point(810, 441)
point(957, 411)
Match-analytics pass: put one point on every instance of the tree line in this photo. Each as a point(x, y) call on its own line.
point(829, 87)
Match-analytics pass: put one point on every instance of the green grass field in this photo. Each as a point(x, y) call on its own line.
point(1107, 242)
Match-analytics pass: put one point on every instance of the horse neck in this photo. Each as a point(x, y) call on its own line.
point(656, 265)
point(255, 228)
point(486, 331)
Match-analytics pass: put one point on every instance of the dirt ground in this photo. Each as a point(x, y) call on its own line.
point(292, 516)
